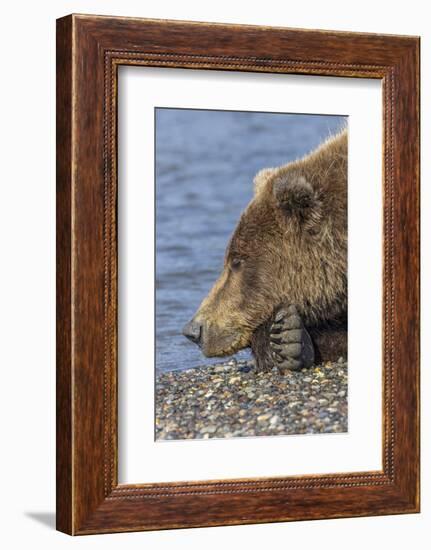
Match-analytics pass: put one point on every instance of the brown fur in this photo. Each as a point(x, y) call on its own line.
point(290, 245)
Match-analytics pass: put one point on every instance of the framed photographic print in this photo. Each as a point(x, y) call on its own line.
point(237, 274)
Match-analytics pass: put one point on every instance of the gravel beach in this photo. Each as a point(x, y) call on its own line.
point(232, 399)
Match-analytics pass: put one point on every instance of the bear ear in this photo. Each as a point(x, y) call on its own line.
point(296, 197)
point(261, 178)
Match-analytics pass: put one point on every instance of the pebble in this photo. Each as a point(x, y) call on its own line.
point(221, 368)
point(244, 369)
point(208, 429)
point(322, 401)
point(232, 399)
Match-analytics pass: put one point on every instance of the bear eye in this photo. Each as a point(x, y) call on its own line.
point(236, 263)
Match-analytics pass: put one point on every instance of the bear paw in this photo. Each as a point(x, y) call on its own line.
point(290, 343)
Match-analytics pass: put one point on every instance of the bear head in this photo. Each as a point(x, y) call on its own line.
point(290, 244)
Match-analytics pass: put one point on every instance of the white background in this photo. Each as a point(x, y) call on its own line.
point(141, 458)
point(27, 276)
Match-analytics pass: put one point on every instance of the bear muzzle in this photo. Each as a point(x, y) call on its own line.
point(193, 331)
point(214, 341)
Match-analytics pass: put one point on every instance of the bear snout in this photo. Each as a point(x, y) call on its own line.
point(193, 331)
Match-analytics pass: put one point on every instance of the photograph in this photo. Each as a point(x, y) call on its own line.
point(251, 275)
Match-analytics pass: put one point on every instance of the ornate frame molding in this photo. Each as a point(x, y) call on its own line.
point(90, 49)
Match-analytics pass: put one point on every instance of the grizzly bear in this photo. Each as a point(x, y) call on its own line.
point(283, 288)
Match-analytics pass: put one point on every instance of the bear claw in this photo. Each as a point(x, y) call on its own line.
point(290, 342)
point(289, 336)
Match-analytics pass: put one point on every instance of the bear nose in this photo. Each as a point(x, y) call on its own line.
point(192, 330)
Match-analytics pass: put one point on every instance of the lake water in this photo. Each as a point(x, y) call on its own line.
point(205, 164)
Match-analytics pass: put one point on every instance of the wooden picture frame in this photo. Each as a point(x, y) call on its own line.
point(89, 51)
